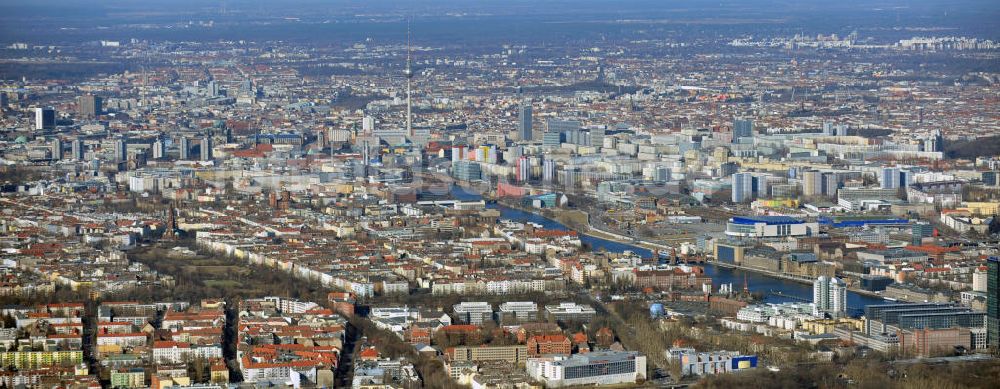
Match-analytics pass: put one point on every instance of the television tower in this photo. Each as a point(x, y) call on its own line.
point(409, 77)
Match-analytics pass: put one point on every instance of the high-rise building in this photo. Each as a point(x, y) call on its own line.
point(523, 169)
point(45, 118)
point(524, 121)
point(597, 136)
point(742, 187)
point(552, 138)
point(212, 88)
point(246, 88)
point(77, 149)
point(184, 148)
point(368, 124)
point(742, 128)
point(89, 106)
point(830, 295)
point(830, 183)
point(991, 178)
point(934, 141)
point(812, 183)
point(888, 179)
point(893, 178)
point(548, 170)
point(121, 150)
point(561, 126)
point(993, 301)
point(920, 230)
point(159, 149)
point(467, 170)
point(57, 149)
point(206, 148)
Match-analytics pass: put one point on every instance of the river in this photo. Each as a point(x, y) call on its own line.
point(720, 275)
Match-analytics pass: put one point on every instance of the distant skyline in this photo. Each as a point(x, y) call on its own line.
point(63, 21)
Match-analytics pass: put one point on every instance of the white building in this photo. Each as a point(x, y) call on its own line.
point(179, 352)
point(830, 296)
point(596, 368)
point(473, 312)
point(979, 280)
point(518, 311)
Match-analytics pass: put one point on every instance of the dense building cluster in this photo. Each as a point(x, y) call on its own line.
point(371, 213)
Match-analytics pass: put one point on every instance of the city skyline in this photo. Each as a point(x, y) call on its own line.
point(496, 194)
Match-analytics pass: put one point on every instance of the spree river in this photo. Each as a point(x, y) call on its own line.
point(758, 282)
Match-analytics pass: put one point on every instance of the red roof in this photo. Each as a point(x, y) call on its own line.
point(460, 328)
point(170, 344)
point(556, 338)
point(370, 352)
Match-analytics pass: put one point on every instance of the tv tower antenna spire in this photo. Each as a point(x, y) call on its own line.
point(409, 77)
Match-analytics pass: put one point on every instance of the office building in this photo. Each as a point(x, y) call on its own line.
point(467, 171)
point(742, 128)
point(552, 139)
point(993, 301)
point(473, 312)
point(513, 312)
point(562, 126)
point(57, 149)
point(990, 178)
point(206, 148)
point(183, 148)
point(121, 150)
point(570, 312)
point(89, 106)
point(592, 369)
point(812, 183)
point(830, 296)
point(524, 121)
point(893, 178)
point(921, 230)
point(77, 150)
point(597, 136)
point(742, 189)
point(509, 354)
point(887, 318)
point(45, 118)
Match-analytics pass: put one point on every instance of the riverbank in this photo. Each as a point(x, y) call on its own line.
point(800, 279)
point(612, 242)
point(578, 220)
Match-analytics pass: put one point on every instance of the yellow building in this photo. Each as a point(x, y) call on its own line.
point(220, 373)
point(107, 349)
point(981, 208)
point(826, 326)
point(36, 359)
point(128, 378)
point(510, 354)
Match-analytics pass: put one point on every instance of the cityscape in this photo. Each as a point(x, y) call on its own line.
point(230, 194)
